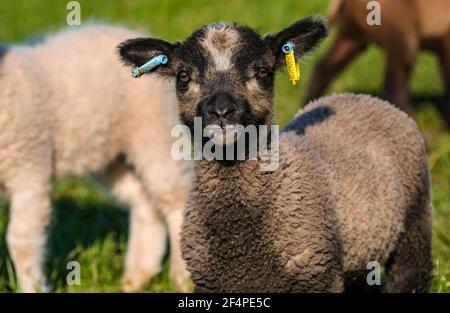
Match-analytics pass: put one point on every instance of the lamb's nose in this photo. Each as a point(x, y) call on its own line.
point(222, 111)
point(222, 105)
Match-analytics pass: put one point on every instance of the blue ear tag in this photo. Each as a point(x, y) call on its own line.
point(137, 72)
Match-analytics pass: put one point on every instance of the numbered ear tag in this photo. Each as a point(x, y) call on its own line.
point(293, 67)
point(149, 65)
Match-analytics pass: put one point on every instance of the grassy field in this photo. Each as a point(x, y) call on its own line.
point(91, 227)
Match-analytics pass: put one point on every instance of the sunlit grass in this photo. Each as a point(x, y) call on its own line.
point(91, 227)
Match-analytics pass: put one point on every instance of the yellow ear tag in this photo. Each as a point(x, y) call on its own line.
point(293, 67)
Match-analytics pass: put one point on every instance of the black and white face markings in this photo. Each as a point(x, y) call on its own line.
point(225, 76)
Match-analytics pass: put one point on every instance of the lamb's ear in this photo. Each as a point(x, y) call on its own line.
point(138, 51)
point(305, 34)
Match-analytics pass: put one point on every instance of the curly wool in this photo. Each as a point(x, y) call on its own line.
point(69, 107)
point(352, 187)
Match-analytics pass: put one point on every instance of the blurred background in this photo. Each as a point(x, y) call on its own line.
point(91, 227)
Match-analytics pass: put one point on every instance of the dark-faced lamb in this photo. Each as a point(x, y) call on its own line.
point(352, 186)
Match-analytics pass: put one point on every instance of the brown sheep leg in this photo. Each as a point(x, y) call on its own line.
point(410, 267)
point(343, 50)
point(398, 70)
point(444, 55)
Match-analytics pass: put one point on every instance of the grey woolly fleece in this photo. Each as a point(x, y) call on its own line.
point(352, 187)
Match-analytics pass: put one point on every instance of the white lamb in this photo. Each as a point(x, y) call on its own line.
point(69, 107)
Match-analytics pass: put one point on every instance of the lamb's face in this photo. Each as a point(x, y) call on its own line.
point(225, 72)
point(225, 75)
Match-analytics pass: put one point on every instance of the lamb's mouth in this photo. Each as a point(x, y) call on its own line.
point(223, 135)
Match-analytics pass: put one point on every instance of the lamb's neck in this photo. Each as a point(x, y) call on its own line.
point(232, 192)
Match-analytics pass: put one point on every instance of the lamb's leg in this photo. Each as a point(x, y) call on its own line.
point(147, 236)
point(26, 235)
point(398, 71)
point(171, 202)
point(410, 267)
point(167, 185)
point(357, 283)
point(342, 51)
point(177, 273)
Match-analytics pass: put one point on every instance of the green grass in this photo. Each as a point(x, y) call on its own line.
point(91, 227)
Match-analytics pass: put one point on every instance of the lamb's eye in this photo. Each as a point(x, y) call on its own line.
point(183, 76)
point(263, 72)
